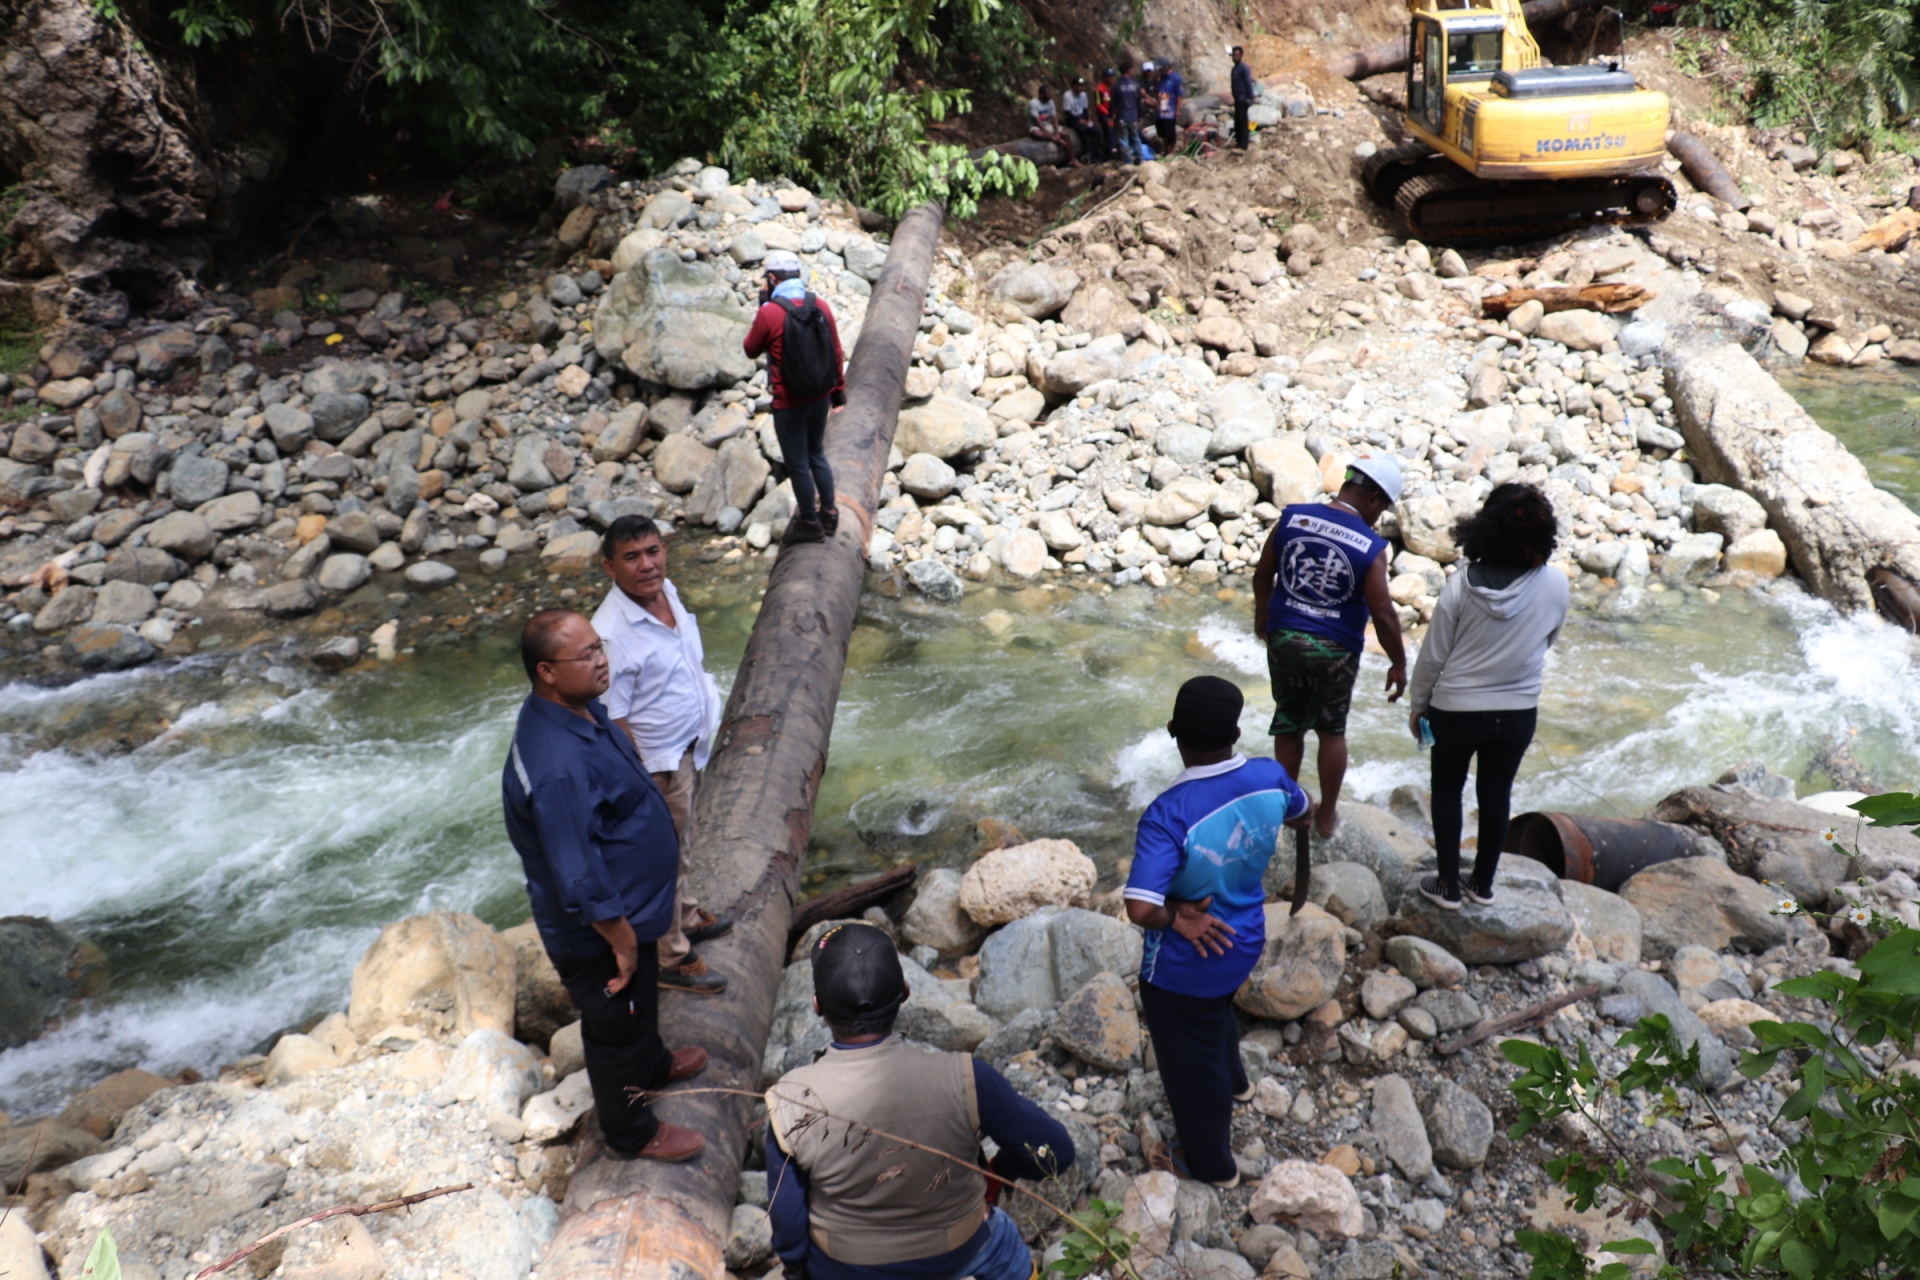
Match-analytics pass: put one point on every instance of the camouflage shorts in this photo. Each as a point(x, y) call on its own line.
point(1312, 683)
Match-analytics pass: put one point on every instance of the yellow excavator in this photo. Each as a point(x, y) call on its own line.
point(1505, 147)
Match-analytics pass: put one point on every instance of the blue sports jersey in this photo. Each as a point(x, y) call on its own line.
point(1319, 581)
point(1211, 835)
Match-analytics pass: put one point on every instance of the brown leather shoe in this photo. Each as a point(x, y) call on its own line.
point(692, 976)
point(672, 1145)
point(687, 1063)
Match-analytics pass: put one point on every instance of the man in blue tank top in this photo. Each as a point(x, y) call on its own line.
point(1322, 574)
point(1197, 887)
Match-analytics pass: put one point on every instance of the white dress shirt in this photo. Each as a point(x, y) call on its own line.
point(660, 684)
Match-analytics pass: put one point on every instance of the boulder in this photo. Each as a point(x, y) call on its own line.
point(1783, 841)
point(1657, 996)
point(196, 479)
point(430, 575)
point(291, 428)
point(448, 974)
point(44, 1144)
point(1007, 884)
point(1186, 445)
point(1395, 1119)
point(1384, 994)
point(541, 1005)
point(1097, 1024)
point(1179, 502)
point(234, 512)
point(1099, 308)
point(229, 1189)
point(70, 606)
point(737, 479)
point(182, 534)
point(1707, 974)
point(927, 477)
point(1459, 1125)
point(749, 1236)
point(1284, 471)
point(1242, 415)
point(126, 604)
point(1315, 1197)
point(1425, 964)
point(100, 1108)
point(551, 1116)
point(1450, 1008)
point(1071, 372)
point(935, 581)
point(1761, 553)
point(941, 1013)
point(337, 1249)
point(1732, 514)
point(1578, 330)
point(295, 1057)
point(568, 1050)
point(343, 573)
point(107, 647)
point(1021, 552)
point(1347, 891)
point(20, 1254)
point(493, 1071)
point(1702, 900)
point(945, 427)
point(1036, 290)
point(336, 415)
point(675, 323)
point(1299, 967)
point(681, 462)
point(1370, 836)
point(1527, 919)
point(936, 919)
point(1426, 527)
point(1058, 531)
point(1036, 962)
point(353, 531)
point(1608, 920)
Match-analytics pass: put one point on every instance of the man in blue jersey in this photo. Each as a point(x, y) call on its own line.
point(1322, 574)
point(1199, 860)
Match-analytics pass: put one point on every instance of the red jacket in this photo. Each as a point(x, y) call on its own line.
point(764, 338)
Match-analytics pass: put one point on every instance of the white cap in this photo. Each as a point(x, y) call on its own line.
point(1147, 65)
point(782, 260)
point(1381, 468)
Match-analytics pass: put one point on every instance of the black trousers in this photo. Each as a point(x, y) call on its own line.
point(1500, 739)
point(1196, 1042)
point(621, 1036)
point(802, 432)
point(1169, 134)
point(1241, 133)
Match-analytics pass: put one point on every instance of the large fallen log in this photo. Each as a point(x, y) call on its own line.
point(639, 1220)
point(1704, 170)
point(1392, 55)
point(1034, 149)
point(1592, 297)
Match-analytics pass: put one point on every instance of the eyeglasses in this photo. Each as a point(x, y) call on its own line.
point(597, 651)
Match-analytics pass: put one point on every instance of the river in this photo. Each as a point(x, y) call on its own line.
point(233, 868)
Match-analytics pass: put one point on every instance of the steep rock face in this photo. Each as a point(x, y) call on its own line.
point(113, 147)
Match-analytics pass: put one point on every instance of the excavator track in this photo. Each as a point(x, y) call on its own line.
point(1456, 208)
point(1385, 172)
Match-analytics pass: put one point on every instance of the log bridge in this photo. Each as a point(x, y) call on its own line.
point(641, 1220)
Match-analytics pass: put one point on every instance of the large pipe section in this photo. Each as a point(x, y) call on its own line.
point(641, 1220)
point(1392, 56)
point(1603, 852)
point(1704, 170)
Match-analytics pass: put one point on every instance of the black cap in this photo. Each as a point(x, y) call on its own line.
point(856, 973)
point(1206, 713)
point(1109, 73)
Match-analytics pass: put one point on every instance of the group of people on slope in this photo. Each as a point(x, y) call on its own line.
point(1127, 119)
point(598, 790)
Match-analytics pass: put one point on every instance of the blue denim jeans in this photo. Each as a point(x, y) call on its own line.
point(1132, 149)
point(1004, 1256)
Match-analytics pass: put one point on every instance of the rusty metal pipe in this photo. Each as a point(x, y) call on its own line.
point(1038, 150)
point(1603, 852)
point(1704, 170)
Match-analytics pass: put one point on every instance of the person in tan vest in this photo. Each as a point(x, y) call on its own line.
point(849, 1199)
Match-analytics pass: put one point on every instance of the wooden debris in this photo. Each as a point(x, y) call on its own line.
point(852, 899)
point(1514, 1021)
point(1592, 297)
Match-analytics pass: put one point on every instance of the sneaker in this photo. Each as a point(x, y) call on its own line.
point(1172, 1160)
point(671, 1144)
point(800, 531)
point(693, 977)
point(1476, 894)
point(710, 927)
point(1442, 894)
point(830, 519)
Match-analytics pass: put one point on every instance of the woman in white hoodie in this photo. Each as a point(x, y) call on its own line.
point(1477, 681)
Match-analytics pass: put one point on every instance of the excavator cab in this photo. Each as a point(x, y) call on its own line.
point(1503, 146)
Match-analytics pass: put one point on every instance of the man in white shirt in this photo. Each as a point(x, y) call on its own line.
point(662, 696)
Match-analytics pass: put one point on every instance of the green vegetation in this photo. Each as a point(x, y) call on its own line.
point(834, 94)
point(1843, 1197)
point(1843, 69)
point(20, 336)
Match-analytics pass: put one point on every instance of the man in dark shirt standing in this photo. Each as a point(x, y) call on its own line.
point(1242, 96)
point(602, 862)
point(1126, 112)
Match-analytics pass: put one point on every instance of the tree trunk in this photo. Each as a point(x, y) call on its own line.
point(1704, 170)
point(850, 901)
point(1034, 149)
point(636, 1219)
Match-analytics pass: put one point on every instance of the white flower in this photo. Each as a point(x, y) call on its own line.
point(1786, 907)
point(1861, 916)
point(1830, 836)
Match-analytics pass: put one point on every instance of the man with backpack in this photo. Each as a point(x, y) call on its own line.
point(795, 330)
